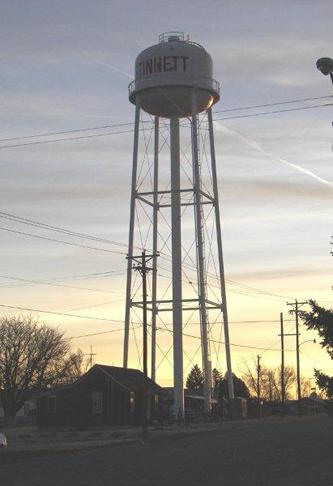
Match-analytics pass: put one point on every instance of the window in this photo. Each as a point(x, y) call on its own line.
point(132, 402)
point(52, 405)
point(97, 402)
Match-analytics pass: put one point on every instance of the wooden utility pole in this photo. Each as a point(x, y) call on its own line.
point(258, 384)
point(283, 390)
point(141, 266)
point(91, 359)
point(298, 370)
point(296, 306)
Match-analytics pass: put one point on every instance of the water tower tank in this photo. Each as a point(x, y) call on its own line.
point(167, 73)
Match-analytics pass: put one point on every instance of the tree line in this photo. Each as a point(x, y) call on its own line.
point(266, 382)
point(35, 356)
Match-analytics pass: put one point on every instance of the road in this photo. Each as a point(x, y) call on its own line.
point(268, 452)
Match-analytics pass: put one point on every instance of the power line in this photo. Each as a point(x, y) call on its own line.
point(257, 321)
point(43, 282)
point(60, 241)
point(113, 320)
point(83, 137)
point(86, 275)
point(184, 334)
point(64, 132)
point(57, 229)
point(65, 139)
point(262, 113)
point(230, 282)
point(245, 288)
point(95, 305)
point(118, 125)
point(30, 309)
point(250, 288)
point(276, 341)
point(69, 278)
point(260, 321)
point(97, 333)
point(266, 105)
point(163, 329)
point(255, 293)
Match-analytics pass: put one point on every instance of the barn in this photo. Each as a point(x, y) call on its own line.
point(105, 395)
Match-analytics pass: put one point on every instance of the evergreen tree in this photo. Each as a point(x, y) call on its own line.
point(321, 320)
point(240, 388)
point(217, 377)
point(194, 380)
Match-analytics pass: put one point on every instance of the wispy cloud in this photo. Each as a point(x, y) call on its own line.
point(261, 188)
point(250, 142)
point(280, 273)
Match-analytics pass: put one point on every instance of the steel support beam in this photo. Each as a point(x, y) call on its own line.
point(154, 261)
point(131, 235)
point(220, 255)
point(201, 270)
point(176, 245)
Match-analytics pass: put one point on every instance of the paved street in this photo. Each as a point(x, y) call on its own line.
point(268, 452)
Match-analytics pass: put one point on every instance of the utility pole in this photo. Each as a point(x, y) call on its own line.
point(283, 391)
point(141, 266)
point(258, 384)
point(298, 371)
point(91, 354)
point(296, 306)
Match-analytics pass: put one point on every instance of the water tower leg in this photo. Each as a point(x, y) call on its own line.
point(176, 269)
point(201, 259)
point(154, 261)
point(220, 254)
point(131, 235)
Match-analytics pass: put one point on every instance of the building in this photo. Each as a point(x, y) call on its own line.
point(105, 395)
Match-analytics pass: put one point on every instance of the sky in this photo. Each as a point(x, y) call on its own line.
point(66, 66)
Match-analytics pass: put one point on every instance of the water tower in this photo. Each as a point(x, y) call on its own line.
point(174, 87)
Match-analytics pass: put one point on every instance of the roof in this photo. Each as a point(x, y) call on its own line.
point(129, 378)
point(56, 389)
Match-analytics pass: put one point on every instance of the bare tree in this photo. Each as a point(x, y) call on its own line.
point(306, 387)
point(269, 381)
point(254, 377)
point(289, 382)
point(32, 356)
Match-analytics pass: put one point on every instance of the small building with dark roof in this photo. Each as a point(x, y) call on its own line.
point(105, 395)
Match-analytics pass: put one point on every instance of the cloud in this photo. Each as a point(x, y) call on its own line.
point(259, 189)
point(279, 273)
point(252, 143)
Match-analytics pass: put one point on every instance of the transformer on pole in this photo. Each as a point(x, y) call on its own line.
point(174, 85)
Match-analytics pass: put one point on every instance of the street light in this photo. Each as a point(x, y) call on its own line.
point(325, 66)
point(308, 341)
